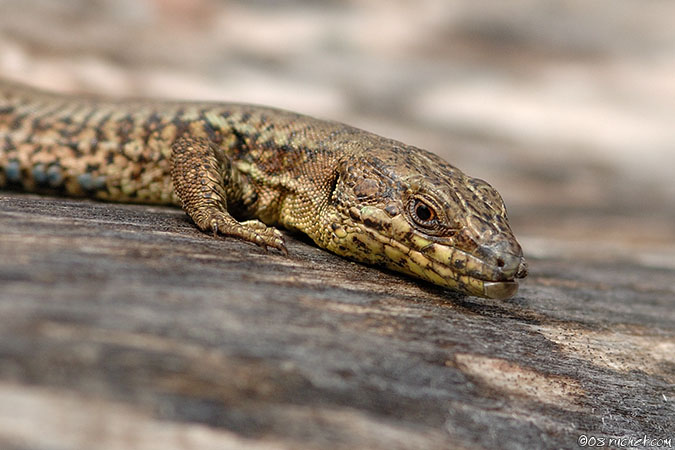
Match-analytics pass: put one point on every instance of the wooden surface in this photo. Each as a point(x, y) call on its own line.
point(122, 326)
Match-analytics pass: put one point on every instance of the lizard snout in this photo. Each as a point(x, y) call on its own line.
point(507, 260)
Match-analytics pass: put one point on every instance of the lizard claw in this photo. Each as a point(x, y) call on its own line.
point(265, 236)
point(279, 243)
point(252, 231)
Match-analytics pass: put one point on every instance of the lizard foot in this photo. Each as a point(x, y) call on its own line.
point(201, 176)
point(251, 230)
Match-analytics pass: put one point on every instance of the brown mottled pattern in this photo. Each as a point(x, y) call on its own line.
point(239, 169)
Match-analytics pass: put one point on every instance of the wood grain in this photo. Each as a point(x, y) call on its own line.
point(122, 326)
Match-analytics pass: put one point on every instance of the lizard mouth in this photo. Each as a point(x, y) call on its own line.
point(439, 264)
point(475, 276)
point(491, 276)
point(501, 290)
point(457, 269)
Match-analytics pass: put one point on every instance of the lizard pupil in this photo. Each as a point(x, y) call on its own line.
point(423, 212)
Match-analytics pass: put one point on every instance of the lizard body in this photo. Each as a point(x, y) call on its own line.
point(240, 170)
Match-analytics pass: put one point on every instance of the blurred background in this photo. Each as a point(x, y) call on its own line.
point(567, 107)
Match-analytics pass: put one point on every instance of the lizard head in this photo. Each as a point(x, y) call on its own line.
point(411, 211)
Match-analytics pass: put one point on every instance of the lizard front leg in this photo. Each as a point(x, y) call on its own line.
point(199, 179)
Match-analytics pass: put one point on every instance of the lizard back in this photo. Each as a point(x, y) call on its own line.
point(119, 150)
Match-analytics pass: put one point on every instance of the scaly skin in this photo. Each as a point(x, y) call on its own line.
point(239, 170)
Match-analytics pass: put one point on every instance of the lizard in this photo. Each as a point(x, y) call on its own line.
point(243, 170)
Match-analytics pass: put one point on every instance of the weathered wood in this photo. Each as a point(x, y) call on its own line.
point(122, 326)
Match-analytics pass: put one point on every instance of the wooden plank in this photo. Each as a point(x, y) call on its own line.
point(123, 326)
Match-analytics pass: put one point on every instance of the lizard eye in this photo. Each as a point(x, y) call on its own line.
point(423, 214)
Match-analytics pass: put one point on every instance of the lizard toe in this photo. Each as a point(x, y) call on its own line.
point(273, 238)
point(253, 231)
point(254, 224)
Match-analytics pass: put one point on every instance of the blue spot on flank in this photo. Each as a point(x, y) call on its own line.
point(13, 172)
point(99, 182)
point(86, 181)
point(91, 183)
point(39, 174)
point(54, 175)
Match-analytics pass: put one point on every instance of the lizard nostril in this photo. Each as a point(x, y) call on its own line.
point(500, 262)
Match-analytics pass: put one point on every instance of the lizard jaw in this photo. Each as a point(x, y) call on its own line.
point(439, 264)
point(487, 284)
point(499, 290)
point(368, 234)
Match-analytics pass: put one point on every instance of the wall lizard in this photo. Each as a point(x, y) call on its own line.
point(240, 170)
